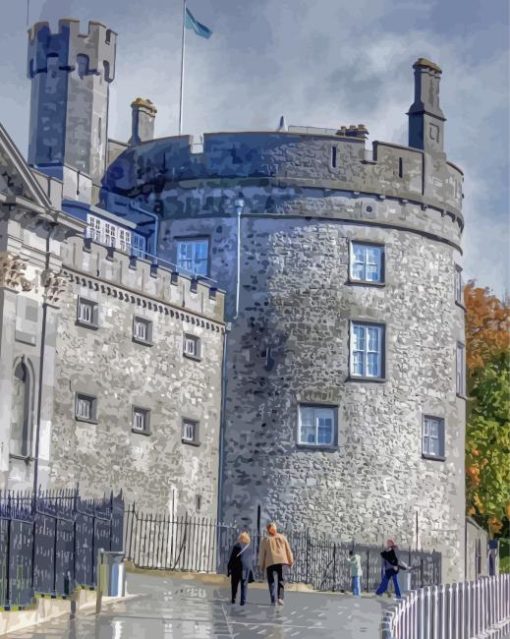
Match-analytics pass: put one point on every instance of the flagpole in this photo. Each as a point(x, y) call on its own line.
point(182, 64)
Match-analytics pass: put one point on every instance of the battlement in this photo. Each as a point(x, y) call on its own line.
point(139, 280)
point(287, 159)
point(96, 48)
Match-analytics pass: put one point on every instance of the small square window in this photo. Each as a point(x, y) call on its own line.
point(193, 255)
point(367, 263)
point(367, 350)
point(191, 347)
point(459, 298)
point(141, 420)
point(142, 330)
point(317, 426)
point(433, 438)
point(87, 313)
point(85, 408)
point(190, 432)
point(461, 370)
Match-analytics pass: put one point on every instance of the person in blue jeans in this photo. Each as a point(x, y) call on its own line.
point(391, 566)
point(356, 573)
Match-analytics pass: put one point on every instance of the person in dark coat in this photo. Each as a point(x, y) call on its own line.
point(391, 567)
point(240, 567)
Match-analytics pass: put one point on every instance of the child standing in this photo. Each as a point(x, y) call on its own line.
point(356, 573)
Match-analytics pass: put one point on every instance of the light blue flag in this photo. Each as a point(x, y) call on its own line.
point(199, 28)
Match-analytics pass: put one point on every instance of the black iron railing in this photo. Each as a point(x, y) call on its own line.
point(49, 542)
point(199, 544)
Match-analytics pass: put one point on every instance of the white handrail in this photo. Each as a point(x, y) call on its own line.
point(466, 610)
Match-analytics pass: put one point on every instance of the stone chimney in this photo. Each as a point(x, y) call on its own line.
point(143, 116)
point(426, 120)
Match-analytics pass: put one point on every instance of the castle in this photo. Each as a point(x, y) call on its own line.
point(267, 324)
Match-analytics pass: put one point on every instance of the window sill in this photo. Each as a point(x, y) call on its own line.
point(147, 433)
point(196, 358)
point(438, 458)
point(365, 283)
point(188, 443)
point(85, 421)
point(374, 380)
point(325, 448)
point(93, 327)
point(143, 342)
point(25, 458)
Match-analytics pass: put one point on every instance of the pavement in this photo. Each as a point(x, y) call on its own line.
point(166, 608)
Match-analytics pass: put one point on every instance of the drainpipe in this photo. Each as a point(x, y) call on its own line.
point(239, 206)
point(219, 508)
point(53, 227)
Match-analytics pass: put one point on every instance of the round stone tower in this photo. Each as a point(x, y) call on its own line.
point(344, 404)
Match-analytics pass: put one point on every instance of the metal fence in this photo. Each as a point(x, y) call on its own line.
point(49, 542)
point(467, 610)
point(204, 545)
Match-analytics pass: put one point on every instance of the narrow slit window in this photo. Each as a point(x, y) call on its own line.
point(400, 167)
point(333, 157)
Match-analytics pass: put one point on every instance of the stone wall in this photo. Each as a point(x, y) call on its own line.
point(157, 471)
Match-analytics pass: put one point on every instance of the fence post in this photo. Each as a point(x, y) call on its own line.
point(307, 550)
point(8, 554)
point(334, 567)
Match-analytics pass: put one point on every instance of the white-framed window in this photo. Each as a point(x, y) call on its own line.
point(459, 298)
point(461, 369)
point(190, 431)
point(193, 255)
point(367, 263)
point(433, 437)
point(87, 313)
point(141, 420)
point(85, 407)
point(317, 425)
point(110, 234)
point(367, 350)
point(192, 346)
point(142, 330)
point(138, 245)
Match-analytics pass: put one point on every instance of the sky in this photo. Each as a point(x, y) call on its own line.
point(320, 63)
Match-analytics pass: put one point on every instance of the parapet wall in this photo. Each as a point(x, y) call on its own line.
point(143, 283)
point(289, 159)
point(98, 45)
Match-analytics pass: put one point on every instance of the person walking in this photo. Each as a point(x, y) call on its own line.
point(274, 554)
point(391, 566)
point(240, 567)
point(356, 573)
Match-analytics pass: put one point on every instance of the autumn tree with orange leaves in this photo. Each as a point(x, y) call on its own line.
point(488, 417)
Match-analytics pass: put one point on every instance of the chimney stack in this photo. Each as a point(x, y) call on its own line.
point(143, 116)
point(426, 120)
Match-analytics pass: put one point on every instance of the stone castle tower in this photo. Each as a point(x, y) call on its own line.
point(71, 73)
point(343, 391)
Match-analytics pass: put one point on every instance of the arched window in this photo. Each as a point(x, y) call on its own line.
point(20, 411)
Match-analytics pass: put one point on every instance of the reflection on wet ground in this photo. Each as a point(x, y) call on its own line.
point(175, 609)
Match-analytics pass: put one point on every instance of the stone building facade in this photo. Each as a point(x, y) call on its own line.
point(343, 349)
point(111, 366)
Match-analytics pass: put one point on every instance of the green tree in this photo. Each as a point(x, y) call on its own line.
point(488, 409)
point(488, 443)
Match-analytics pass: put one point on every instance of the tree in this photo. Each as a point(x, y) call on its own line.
point(488, 424)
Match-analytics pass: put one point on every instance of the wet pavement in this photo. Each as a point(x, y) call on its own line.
point(176, 609)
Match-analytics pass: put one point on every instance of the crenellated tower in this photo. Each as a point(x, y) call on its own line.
point(71, 73)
